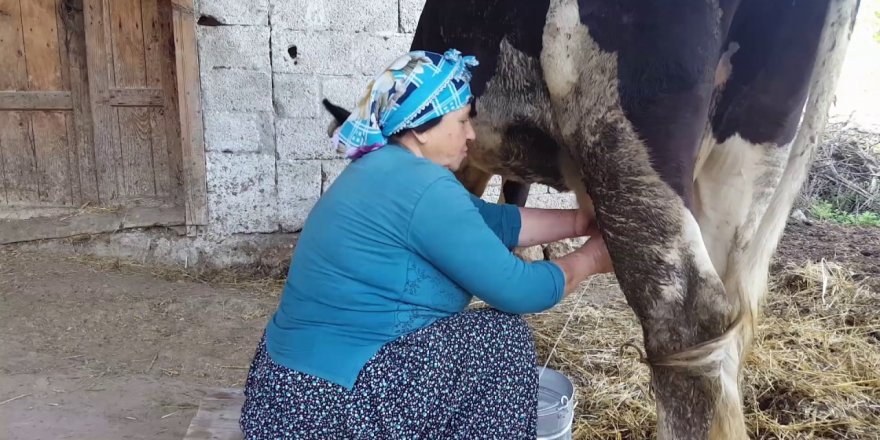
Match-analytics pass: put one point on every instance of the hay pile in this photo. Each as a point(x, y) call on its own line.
point(813, 373)
point(846, 171)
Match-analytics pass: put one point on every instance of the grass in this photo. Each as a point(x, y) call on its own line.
point(877, 35)
point(825, 210)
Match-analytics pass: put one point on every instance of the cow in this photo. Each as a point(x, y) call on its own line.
point(687, 126)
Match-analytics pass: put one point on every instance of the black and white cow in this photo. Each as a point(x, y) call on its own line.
point(688, 125)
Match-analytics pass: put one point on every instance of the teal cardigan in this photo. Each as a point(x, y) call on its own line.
point(395, 244)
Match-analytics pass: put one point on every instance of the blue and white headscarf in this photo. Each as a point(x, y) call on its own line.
point(414, 89)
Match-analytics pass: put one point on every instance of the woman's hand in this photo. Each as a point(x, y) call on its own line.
point(596, 250)
point(590, 259)
point(540, 226)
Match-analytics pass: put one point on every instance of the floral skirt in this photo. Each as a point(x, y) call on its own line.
point(468, 376)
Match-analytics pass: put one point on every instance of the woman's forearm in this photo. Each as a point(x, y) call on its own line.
point(539, 226)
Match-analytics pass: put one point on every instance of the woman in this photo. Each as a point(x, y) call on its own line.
point(370, 339)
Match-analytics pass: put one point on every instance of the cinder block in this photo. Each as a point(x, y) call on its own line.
point(250, 12)
point(341, 15)
point(378, 51)
point(552, 201)
point(304, 138)
point(299, 14)
point(293, 215)
point(299, 186)
point(307, 52)
point(320, 52)
point(299, 180)
point(234, 47)
point(241, 193)
point(330, 170)
point(228, 90)
point(562, 248)
point(344, 91)
point(240, 132)
point(491, 194)
point(296, 96)
point(410, 10)
point(531, 253)
point(537, 188)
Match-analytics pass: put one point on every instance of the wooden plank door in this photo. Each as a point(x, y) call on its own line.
point(133, 101)
point(44, 159)
point(90, 117)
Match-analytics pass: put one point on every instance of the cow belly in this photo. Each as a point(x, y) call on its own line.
point(514, 126)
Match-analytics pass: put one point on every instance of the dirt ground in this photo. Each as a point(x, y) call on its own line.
point(104, 353)
point(856, 247)
point(99, 350)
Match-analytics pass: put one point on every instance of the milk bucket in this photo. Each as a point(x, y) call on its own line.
point(555, 405)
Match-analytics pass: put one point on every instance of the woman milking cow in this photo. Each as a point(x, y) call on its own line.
point(372, 337)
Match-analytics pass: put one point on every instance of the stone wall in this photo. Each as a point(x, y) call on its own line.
point(265, 66)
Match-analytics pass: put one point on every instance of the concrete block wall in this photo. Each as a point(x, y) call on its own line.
point(265, 66)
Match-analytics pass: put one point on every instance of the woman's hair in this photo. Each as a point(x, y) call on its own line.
point(421, 128)
point(427, 125)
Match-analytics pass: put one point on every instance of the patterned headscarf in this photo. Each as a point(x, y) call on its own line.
point(416, 88)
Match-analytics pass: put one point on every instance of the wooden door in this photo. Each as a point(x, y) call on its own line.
point(132, 90)
point(44, 160)
point(88, 104)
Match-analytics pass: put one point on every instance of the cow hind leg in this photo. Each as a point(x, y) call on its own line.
point(748, 183)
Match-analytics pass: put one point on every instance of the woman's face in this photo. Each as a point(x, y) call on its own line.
point(446, 143)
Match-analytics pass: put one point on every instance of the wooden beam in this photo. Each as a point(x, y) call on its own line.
point(217, 417)
point(166, 124)
point(136, 98)
point(42, 228)
point(190, 106)
point(186, 6)
point(36, 101)
point(69, 150)
point(82, 109)
point(103, 115)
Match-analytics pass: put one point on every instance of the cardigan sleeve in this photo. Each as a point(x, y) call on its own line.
point(449, 230)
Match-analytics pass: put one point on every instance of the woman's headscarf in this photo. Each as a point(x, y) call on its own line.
point(414, 89)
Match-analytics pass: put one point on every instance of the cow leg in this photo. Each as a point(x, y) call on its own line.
point(759, 159)
point(665, 272)
point(634, 154)
point(639, 175)
point(514, 193)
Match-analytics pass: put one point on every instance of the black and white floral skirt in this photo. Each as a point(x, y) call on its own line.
point(468, 376)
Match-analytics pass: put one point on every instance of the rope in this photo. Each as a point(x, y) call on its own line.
point(561, 332)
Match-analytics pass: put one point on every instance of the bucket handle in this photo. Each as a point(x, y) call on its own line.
point(565, 399)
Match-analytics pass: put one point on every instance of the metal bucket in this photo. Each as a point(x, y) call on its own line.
point(555, 405)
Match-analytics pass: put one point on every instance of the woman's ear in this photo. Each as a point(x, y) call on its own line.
point(422, 137)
